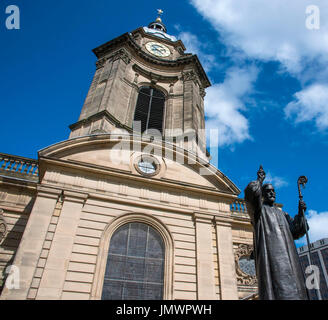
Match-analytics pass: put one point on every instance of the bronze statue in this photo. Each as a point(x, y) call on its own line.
point(278, 268)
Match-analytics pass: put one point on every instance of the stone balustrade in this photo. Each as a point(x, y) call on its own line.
point(238, 206)
point(18, 167)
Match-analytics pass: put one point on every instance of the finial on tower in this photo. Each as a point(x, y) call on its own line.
point(159, 12)
point(158, 29)
point(158, 24)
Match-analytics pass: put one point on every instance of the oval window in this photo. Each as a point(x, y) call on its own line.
point(147, 165)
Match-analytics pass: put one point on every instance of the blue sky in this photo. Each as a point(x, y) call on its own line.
point(269, 74)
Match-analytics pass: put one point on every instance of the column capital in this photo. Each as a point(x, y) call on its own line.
point(121, 54)
point(75, 196)
point(202, 217)
point(48, 192)
point(224, 221)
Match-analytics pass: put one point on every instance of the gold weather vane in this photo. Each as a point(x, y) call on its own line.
point(160, 12)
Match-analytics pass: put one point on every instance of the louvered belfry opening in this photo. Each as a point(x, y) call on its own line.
point(150, 109)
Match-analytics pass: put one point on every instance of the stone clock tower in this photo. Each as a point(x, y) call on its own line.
point(141, 63)
point(129, 206)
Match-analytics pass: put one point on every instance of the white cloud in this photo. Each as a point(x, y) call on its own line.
point(224, 103)
point(226, 125)
point(318, 223)
point(276, 31)
point(310, 104)
point(193, 45)
point(277, 182)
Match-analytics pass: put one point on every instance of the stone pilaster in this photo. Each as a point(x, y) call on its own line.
point(30, 248)
point(131, 106)
point(204, 257)
point(189, 79)
point(53, 278)
point(117, 93)
point(226, 261)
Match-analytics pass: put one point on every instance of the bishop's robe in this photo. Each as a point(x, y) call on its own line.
point(278, 268)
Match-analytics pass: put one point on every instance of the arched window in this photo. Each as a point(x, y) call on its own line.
point(135, 264)
point(150, 109)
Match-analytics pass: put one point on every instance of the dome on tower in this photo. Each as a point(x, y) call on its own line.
point(157, 28)
point(158, 25)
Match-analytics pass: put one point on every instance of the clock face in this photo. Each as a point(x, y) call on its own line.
point(158, 49)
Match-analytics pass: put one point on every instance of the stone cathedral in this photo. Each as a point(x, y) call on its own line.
point(129, 206)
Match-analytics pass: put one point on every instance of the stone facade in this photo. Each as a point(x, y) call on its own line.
point(60, 219)
point(77, 205)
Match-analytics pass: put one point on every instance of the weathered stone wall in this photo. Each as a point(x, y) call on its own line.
point(16, 201)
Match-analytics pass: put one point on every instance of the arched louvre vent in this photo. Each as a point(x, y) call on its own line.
point(150, 109)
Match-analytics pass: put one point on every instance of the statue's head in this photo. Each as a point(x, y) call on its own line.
point(269, 194)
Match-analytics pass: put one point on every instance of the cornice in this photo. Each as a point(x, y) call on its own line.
point(153, 76)
point(97, 116)
point(127, 38)
point(16, 208)
point(18, 183)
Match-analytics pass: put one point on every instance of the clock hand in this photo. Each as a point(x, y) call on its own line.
point(157, 50)
point(155, 47)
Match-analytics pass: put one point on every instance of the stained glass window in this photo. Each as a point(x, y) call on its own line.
point(135, 264)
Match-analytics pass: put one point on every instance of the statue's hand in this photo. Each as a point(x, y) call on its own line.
point(261, 175)
point(301, 206)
